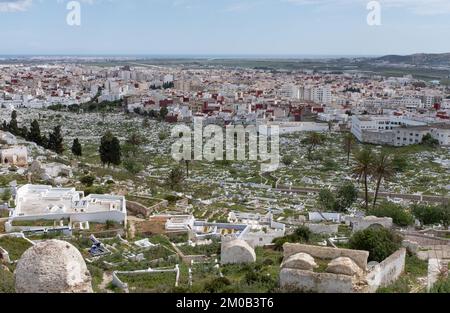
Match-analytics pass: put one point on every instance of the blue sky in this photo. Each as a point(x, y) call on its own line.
point(222, 27)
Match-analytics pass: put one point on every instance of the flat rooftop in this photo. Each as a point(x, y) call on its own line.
point(43, 200)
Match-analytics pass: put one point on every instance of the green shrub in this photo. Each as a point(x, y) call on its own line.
point(132, 166)
point(380, 242)
point(429, 215)
point(87, 180)
point(442, 286)
point(399, 215)
point(217, 285)
point(287, 160)
point(300, 235)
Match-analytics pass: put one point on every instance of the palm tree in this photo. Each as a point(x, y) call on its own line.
point(313, 140)
point(364, 159)
point(349, 140)
point(186, 163)
point(382, 168)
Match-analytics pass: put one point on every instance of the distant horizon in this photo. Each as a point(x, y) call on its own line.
point(201, 56)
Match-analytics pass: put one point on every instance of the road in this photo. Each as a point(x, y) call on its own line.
point(434, 199)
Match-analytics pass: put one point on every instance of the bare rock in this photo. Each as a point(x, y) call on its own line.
point(52, 266)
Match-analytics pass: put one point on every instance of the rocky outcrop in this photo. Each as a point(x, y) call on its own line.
point(300, 261)
point(52, 266)
point(237, 252)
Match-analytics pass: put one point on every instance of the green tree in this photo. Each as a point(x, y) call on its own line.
point(163, 113)
point(110, 151)
point(364, 159)
point(347, 194)
point(380, 242)
point(313, 140)
point(349, 140)
point(35, 133)
point(175, 178)
point(133, 144)
point(381, 168)
point(399, 163)
point(76, 148)
point(326, 200)
point(55, 141)
point(13, 126)
point(429, 141)
point(23, 132)
point(187, 163)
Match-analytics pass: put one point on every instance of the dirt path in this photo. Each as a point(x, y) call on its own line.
point(131, 221)
point(107, 279)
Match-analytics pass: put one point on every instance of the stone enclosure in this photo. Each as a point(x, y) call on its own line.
point(342, 270)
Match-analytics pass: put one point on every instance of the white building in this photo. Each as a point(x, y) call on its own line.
point(363, 124)
point(441, 133)
point(35, 202)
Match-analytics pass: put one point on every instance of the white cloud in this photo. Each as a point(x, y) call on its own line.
point(14, 5)
point(419, 7)
point(23, 5)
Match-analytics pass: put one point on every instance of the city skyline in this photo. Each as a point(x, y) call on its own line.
point(224, 28)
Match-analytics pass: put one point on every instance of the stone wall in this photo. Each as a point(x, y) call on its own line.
point(424, 240)
point(137, 208)
point(387, 272)
point(360, 257)
point(95, 217)
point(359, 224)
point(307, 281)
point(323, 229)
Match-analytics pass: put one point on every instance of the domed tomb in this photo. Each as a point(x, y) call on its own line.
point(52, 266)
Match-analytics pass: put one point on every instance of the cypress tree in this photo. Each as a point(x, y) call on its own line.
point(35, 133)
point(76, 148)
point(110, 150)
point(13, 128)
point(55, 141)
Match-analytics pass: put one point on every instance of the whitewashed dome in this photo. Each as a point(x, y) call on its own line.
point(52, 266)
